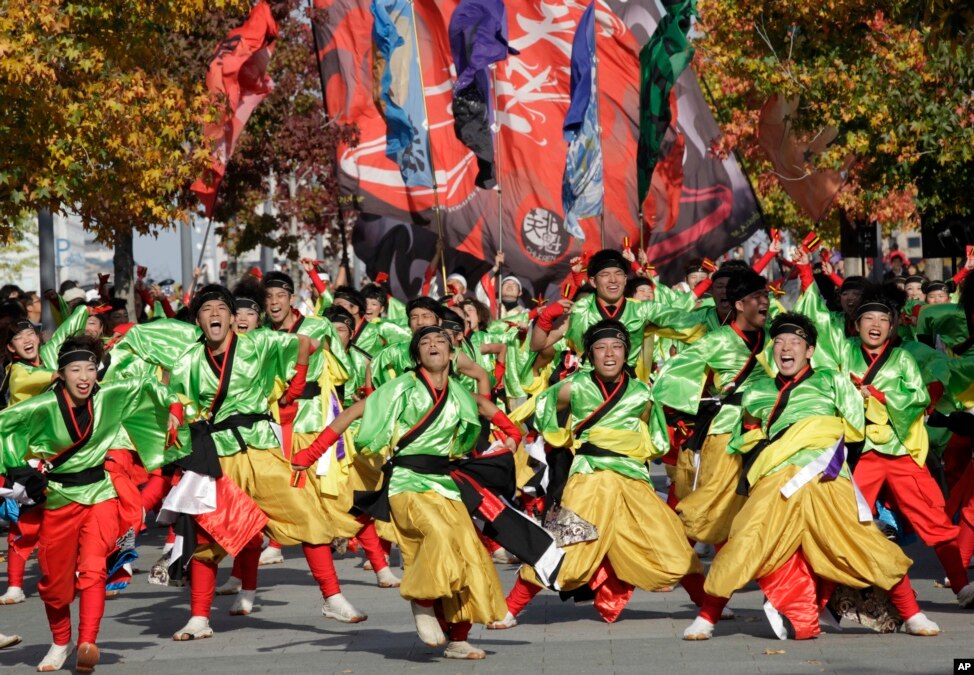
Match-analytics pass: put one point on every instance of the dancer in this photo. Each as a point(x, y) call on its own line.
point(802, 517)
point(70, 430)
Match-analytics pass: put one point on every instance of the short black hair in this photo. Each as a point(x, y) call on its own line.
point(635, 283)
point(351, 295)
point(377, 293)
point(83, 343)
point(277, 279)
point(424, 302)
point(337, 314)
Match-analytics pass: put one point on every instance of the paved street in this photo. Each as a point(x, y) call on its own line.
point(287, 633)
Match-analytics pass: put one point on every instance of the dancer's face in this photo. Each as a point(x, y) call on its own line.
point(420, 317)
point(791, 354)
point(937, 298)
point(752, 311)
point(874, 329)
point(341, 329)
point(214, 320)
point(373, 309)
point(25, 345)
point(79, 379)
point(245, 320)
point(610, 284)
point(277, 303)
point(608, 358)
point(434, 352)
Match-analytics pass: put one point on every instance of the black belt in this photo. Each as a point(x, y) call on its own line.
point(593, 450)
point(376, 502)
point(203, 458)
point(95, 474)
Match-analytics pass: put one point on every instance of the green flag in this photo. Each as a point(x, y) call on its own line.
point(661, 61)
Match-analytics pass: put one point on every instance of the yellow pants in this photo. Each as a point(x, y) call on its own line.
point(444, 559)
point(639, 534)
point(336, 508)
point(821, 519)
point(296, 515)
point(708, 509)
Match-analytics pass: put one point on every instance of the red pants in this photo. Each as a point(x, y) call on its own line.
point(202, 574)
point(918, 497)
point(21, 541)
point(76, 538)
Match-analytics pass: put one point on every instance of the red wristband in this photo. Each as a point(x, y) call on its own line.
point(503, 422)
point(546, 318)
point(298, 382)
point(806, 275)
point(877, 394)
point(764, 261)
point(836, 279)
point(176, 410)
point(702, 287)
point(499, 369)
point(318, 447)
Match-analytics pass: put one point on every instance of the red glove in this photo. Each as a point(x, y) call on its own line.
point(499, 369)
point(876, 394)
point(548, 315)
point(298, 382)
point(176, 410)
point(502, 422)
point(287, 413)
point(381, 278)
point(836, 279)
point(318, 447)
point(702, 287)
point(764, 261)
point(101, 309)
point(806, 275)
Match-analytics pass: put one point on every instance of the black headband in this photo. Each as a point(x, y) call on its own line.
point(220, 294)
point(20, 327)
point(935, 286)
point(274, 282)
point(420, 334)
point(451, 324)
point(75, 355)
point(875, 306)
point(345, 319)
point(915, 279)
point(606, 332)
point(854, 284)
point(793, 329)
point(246, 303)
point(744, 284)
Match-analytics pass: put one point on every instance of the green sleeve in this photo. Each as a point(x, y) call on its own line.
point(907, 398)
point(848, 400)
point(392, 332)
point(16, 426)
point(144, 405)
point(381, 417)
point(161, 343)
point(396, 312)
point(680, 382)
point(831, 346)
point(75, 325)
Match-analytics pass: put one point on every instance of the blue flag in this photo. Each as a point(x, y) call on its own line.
point(582, 190)
point(478, 38)
point(399, 90)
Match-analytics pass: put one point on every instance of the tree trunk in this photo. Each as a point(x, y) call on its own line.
point(124, 261)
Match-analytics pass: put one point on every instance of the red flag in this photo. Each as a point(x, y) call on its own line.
point(663, 201)
point(237, 79)
point(812, 189)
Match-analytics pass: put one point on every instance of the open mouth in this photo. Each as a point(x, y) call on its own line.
point(787, 360)
point(215, 324)
point(875, 334)
point(83, 388)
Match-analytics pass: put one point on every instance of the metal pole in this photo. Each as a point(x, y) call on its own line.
point(186, 253)
point(206, 236)
point(429, 145)
point(45, 247)
point(499, 278)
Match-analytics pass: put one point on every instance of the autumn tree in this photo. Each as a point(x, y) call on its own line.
point(895, 79)
point(96, 118)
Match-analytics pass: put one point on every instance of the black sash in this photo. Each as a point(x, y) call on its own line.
point(786, 388)
point(607, 404)
point(707, 410)
point(353, 343)
point(873, 369)
point(223, 372)
point(311, 390)
point(203, 458)
point(376, 502)
point(90, 476)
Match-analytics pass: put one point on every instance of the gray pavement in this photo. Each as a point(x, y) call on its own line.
point(288, 634)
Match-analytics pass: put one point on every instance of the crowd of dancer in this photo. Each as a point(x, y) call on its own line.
point(476, 428)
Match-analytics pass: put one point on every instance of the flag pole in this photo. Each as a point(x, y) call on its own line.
point(498, 280)
point(429, 145)
point(598, 117)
